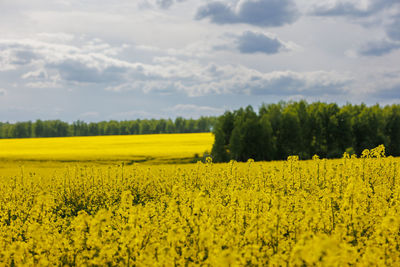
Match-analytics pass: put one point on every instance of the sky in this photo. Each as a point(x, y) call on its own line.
point(95, 60)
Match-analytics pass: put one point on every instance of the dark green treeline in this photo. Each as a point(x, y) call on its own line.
point(299, 128)
point(57, 128)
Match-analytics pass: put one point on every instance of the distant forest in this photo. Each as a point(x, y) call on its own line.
point(299, 128)
point(275, 132)
point(57, 128)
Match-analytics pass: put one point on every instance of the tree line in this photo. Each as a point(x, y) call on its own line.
point(57, 128)
point(299, 128)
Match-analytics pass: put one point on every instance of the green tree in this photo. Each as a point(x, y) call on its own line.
point(247, 136)
point(38, 128)
point(392, 130)
point(222, 132)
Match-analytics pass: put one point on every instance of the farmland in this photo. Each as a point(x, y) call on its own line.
point(87, 212)
point(154, 148)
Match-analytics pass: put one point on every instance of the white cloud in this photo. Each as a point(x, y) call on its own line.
point(37, 74)
point(128, 115)
point(94, 61)
point(56, 37)
point(40, 78)
point(195, 111)
point(195, 108)
point(172, 75)
point(6, 59)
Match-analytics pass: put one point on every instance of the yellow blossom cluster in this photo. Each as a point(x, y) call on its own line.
point(299, 213)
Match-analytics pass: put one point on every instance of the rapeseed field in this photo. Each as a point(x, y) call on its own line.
point(154, 148)
point(296, 213)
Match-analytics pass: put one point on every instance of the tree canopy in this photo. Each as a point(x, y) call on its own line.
point(299, 128)
point(57, 128)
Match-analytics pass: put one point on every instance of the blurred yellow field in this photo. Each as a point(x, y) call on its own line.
point(157, 148)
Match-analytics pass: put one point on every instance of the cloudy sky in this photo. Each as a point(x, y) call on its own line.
point(125, 59)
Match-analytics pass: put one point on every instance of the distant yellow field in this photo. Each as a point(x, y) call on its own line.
point(161, 148)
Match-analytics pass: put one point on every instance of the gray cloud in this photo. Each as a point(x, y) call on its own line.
point(267, 13)
point(352, 8)
point(3, 92)
point(14, 55)
point(379, 48)
point(342, 9)
point(377, 13)
point(293, 83)
point(165, 3)
point(23, 57)
point(252, 42)
point(393, 29)
point(389, 93)
point(76, 71)
point(218, 12)
point(63, 65)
